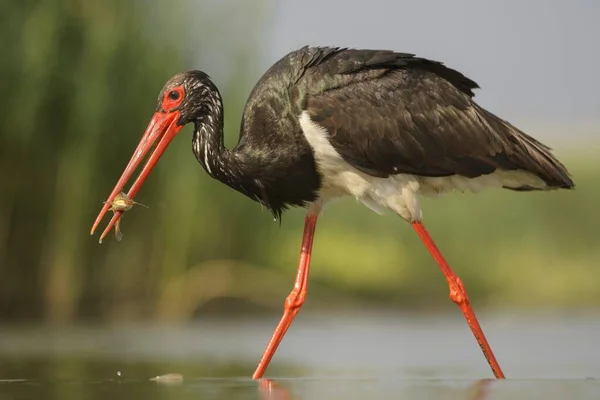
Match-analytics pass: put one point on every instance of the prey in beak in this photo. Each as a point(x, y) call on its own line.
point(121, 202)
point(163, 127)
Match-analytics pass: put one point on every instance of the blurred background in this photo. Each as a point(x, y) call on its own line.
point(80, 81)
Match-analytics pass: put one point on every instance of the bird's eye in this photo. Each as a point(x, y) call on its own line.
point(173, 98)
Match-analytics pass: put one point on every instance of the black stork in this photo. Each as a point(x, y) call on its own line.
point(381, 126)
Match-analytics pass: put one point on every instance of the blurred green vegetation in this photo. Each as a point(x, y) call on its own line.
point(80, 81)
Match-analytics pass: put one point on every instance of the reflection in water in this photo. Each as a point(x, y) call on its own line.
point(302, 389)
point(272, 390)
point(480, 389)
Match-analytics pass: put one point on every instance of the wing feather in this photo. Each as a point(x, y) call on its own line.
point(388, 113)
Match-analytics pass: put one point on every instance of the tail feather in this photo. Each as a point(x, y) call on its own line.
point(524, 152)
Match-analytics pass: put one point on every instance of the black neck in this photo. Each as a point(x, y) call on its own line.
point(207, 141)
point(227, 166)
point(255, 166)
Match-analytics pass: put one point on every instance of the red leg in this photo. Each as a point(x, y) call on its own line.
point(294, 300)
point(458, 295)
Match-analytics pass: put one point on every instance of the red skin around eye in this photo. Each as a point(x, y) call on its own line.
point(168, 103)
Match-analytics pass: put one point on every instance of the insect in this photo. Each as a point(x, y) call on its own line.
point(121, 202)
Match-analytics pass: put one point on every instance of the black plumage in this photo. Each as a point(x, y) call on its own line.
point(397, 113)
point(386, 113)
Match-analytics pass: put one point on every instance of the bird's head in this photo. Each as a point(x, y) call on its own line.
point(186, 97)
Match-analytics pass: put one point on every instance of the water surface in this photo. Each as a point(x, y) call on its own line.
point(345, 356)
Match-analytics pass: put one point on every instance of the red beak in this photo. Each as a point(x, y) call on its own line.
point(162, 128)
